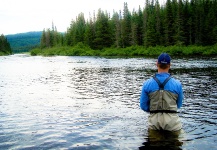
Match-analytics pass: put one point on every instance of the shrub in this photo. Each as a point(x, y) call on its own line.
point(36, 51)
point(81, 49)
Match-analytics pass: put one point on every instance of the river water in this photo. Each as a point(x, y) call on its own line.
point(93, 103)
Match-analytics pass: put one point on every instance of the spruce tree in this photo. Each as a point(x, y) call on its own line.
point(169, 20)
point(151, 26)
point(103, 34)
point(126, 27)
point(140, 27)
point(134, 30)
point(5, 47)
point(89, 34)
point(188, 23)
point(43, 39)
point(80, 28)
point(158, 24)
point(209, 22)
point(145, 22)
point(178, 25)
point(116, 29)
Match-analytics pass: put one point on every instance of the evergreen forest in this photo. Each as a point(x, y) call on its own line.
point(180, 27)
point(5, 48)
point(24, 42)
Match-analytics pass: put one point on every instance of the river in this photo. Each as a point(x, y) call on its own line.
point(93, 103)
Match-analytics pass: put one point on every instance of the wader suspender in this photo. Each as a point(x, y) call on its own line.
point(161, 87)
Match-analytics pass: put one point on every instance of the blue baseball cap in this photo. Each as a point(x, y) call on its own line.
point(164, 58)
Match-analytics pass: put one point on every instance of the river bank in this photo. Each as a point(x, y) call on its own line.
point(81, 50)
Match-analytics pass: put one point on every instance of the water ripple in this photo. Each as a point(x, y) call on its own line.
point(93, 103)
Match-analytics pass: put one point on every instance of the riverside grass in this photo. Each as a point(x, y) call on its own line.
point(134, 51)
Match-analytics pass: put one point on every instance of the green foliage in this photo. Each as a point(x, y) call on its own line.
point(126, 27)
point(78, 50)
point(102, 31)
point(133, 51)
point(23, 42)
point(76, 32)
point(173, 27)
point(89, 34)
point(5, 48)
point(36, 51)
point(51, 38)
point(2, 54)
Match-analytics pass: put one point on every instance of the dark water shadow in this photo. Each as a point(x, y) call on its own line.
point(162, 140)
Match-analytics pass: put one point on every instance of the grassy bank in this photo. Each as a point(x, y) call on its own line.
point(4, 54)
point(82, 50)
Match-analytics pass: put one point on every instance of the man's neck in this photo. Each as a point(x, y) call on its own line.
point(163, 71)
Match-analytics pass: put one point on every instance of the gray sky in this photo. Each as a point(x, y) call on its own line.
point(17, 16)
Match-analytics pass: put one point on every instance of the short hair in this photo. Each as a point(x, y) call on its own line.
point(163, 66)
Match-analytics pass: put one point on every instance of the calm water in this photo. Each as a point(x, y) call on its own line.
point(93, 103)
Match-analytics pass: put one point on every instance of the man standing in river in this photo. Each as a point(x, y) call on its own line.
point(161, 96)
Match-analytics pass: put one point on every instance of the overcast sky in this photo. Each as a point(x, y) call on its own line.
point(18, 16)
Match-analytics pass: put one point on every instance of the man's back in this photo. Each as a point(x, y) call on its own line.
point(162, 100)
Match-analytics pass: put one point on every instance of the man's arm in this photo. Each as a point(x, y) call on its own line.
point(180, 97)
point(144, 100)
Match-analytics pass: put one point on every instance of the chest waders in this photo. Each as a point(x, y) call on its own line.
point(163, 109)
point(163, 101)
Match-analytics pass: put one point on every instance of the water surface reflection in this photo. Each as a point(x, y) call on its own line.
point(93, 103)
point(163, 140)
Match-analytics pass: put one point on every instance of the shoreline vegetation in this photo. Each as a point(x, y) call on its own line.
point(180, 28)
point(5, 48)
point(133, 51)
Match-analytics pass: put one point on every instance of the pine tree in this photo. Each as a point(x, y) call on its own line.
point(48, 38)
point(5, 47)
point(137, 27)
point(70, 34)
point(178, 25)
point(116, 31)
point(126, 27)
point(89, 34)
point(140, 27)
point(51, 38)
point(209, 22)
point(158, 23)
point(134, 30)
point(169, 20)
point(214, 30)
point(188, 23)
point(198, 22)
point(151, 27)
point(43, 39)
point(80, 28)
point(145, 22)
point(103, 35)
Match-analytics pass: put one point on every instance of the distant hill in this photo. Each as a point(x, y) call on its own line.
point(23, 42)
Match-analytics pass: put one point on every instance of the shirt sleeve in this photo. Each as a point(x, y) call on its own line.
point(180, 97)
point(144, 99)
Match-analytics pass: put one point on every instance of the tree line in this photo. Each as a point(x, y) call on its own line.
point(5, 48)
point(177, 22)
point(24, 42)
